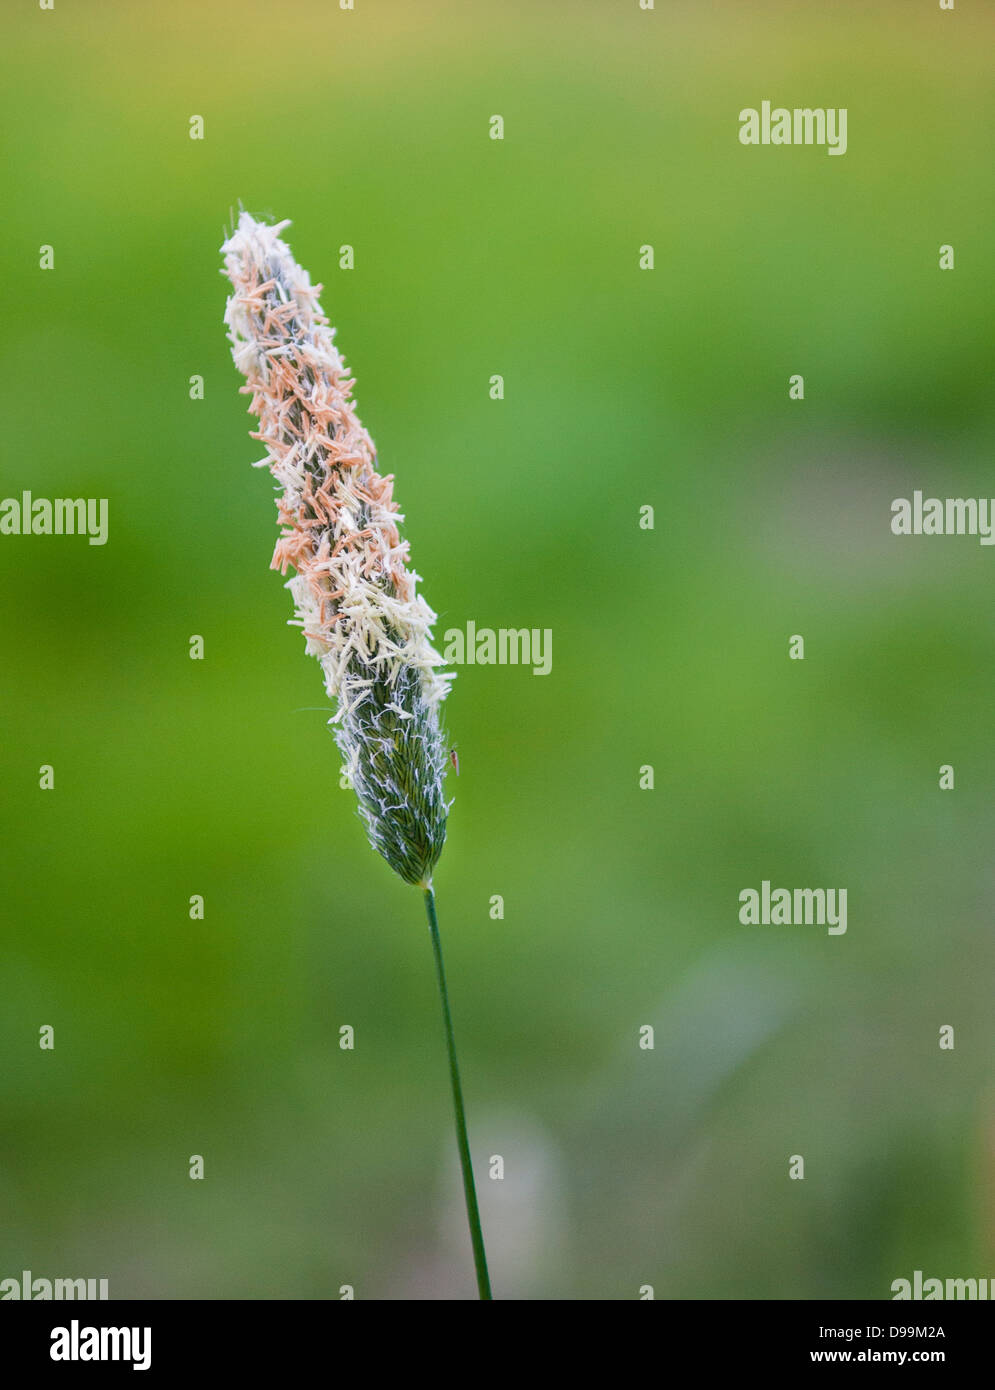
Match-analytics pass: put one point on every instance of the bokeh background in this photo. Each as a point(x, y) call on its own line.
point(669, 387)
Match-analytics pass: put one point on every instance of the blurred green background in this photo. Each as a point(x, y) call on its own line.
point(623, 387)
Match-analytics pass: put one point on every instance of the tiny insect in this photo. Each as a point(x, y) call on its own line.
point(454, 758)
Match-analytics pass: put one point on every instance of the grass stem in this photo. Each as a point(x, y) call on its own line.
point(472, 1211)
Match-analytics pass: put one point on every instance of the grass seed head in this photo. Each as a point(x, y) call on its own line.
point(354, 593)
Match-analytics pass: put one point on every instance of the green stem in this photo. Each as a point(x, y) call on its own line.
point(472, 1212)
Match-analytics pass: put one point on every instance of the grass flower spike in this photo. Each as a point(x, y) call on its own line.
point(354, 594)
